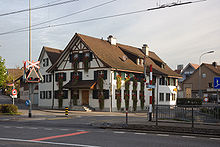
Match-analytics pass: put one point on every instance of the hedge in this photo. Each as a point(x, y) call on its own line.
point(8, 108)
point(189, 101)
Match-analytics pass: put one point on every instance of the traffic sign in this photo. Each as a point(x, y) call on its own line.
point(14, 92)
point(205, 99)
point(216, 82)
point(27, 102)
point(151, 86)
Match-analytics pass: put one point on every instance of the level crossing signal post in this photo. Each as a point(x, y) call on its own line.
point(32, 76)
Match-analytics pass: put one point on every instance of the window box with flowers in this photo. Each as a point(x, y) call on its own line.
point(86, 61)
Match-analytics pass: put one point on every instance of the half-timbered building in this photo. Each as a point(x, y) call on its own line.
point(104, 74)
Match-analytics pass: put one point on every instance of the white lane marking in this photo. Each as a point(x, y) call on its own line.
point(162, 135)
point(44, 142)
point(188, 136)
point(119, 132)
point(215, 138)
point(7, 127)
point(33, 128)
point(19, 127)
point(64, 129)
point(140, 133)
point(48, 129)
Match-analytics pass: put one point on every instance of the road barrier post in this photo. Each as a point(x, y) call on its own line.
point(66, 111)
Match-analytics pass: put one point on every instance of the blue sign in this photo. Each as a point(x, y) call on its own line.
point(27, 102)
point(151, 86)
point(216, 82)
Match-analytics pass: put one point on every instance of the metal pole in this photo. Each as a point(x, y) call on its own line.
point(157, 102)
point(30, 85)
point(126, 117)
point(150, 104)
point(192, 119)
point(199, 81)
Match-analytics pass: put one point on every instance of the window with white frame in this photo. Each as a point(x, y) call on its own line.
point(161, 98)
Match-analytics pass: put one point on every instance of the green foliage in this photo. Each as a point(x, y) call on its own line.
point(2, 71)
point(134, 98)
point(8, 108)
point(126, 95)
point(189, 101)
point(141, 96)
point(118, 98)
point(101, 101)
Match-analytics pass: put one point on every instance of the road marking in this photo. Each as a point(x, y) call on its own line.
point(215, 138)
point(7, 127)
point(140, 133)
point(162, 135)
point(48, 129)
point(188, 136)
point(64, 129)
point(33, 128)
point(59, 136)
point(44, 142)
point(19, 127)
point(119, 132)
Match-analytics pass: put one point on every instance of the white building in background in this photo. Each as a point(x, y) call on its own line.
point(87, 61)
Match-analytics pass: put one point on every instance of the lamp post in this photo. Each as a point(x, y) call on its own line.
point(199, 81)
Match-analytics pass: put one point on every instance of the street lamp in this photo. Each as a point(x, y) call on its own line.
point(199, 81)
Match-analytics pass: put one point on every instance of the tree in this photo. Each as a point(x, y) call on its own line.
point(2, 71)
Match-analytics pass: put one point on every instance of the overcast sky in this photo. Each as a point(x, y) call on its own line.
point(178, 35)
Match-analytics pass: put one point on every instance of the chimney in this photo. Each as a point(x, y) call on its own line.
point(214, 64)
point(112, 40)
point(145, 49)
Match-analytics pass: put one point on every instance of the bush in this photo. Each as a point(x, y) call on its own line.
point(8, 108)
point(189, 101)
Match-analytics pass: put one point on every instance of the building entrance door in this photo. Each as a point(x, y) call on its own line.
point(85, 97)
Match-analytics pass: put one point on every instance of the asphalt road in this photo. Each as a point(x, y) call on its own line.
point(77, 132)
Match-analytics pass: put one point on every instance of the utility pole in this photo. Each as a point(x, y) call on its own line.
point(150, 104)
point(30, 84)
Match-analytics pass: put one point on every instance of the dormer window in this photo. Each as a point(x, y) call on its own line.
point(45, 62)
point(138, 61)
point(162, 65)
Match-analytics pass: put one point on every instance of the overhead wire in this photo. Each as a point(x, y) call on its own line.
point(111, 16)
point(39, 7)
point(58, 18)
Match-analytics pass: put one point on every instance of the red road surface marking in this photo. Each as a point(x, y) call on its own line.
point(58, 136)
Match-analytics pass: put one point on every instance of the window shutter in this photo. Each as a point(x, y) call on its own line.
point(105, 74)
point(80, 75)
point(115, 74)
point(71, 76)
point(95, 94)
point(90, 56)
point(95, 75)
point(56, 77)
point(64, 76)
point(123, 76)
point(80, 57)
point(106, 94)
point(70, 58)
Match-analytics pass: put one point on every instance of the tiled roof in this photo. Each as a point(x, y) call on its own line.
point(213, 68)
point(112, 56)
point(52, 53)
point(15, 73)
point(195, 66)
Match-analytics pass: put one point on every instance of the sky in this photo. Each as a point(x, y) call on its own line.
point(178, 35)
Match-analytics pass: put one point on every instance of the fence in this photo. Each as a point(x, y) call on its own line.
point(189, 113)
